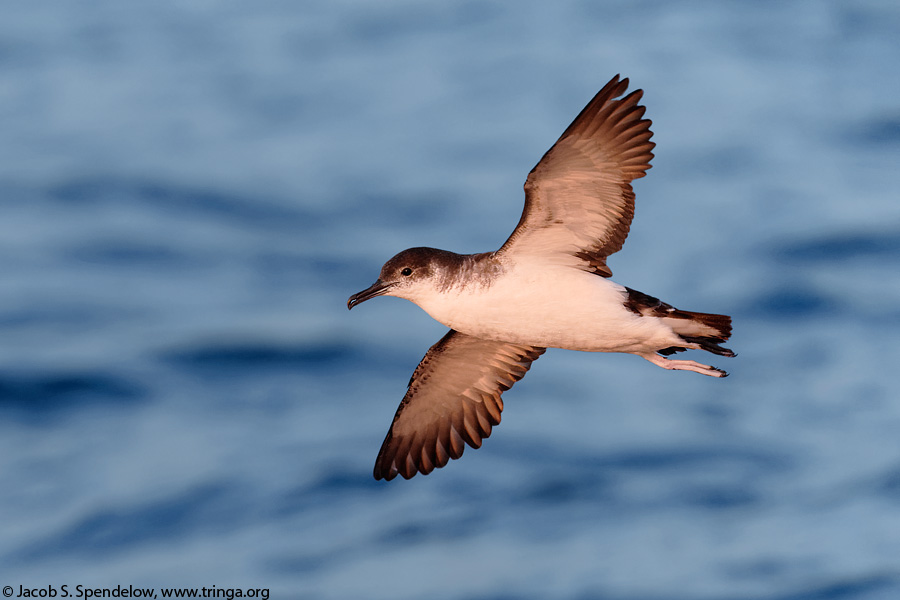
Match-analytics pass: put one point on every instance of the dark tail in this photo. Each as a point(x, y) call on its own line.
point(706, 330)
point(703, 330)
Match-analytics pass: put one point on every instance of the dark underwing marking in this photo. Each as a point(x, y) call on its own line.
point(595, 266)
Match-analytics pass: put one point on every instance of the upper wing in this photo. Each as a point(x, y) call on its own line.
point(453, 397)
point(578, 198)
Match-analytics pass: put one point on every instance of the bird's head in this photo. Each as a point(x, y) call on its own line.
point(407, 275)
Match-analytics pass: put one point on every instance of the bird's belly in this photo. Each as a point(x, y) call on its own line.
point(563, 308)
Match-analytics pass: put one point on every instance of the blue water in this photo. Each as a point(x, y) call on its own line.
point(189, 192)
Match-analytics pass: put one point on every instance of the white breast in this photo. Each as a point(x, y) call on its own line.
point(547, 305)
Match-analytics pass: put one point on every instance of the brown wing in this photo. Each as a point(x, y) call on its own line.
point(453, 399)
point(578, 198)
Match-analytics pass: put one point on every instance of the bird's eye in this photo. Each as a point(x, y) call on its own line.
point(406, 272)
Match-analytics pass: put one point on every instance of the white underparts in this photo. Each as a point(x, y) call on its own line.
point(547, 305)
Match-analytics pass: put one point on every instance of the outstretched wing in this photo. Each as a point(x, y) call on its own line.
point(578, 198)
point(453, 399)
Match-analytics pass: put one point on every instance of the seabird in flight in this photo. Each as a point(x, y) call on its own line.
point(548, 286)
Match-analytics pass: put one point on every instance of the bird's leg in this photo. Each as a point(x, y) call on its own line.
point(684, 365)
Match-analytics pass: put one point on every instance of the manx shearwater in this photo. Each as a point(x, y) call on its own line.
point(546, 287)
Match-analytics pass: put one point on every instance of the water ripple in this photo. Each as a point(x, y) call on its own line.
point(184, 200)
point(44, 392)
point(111, 529)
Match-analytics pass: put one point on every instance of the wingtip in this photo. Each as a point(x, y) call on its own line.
point(380, 473)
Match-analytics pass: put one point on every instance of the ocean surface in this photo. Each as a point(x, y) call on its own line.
point(189, 192)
